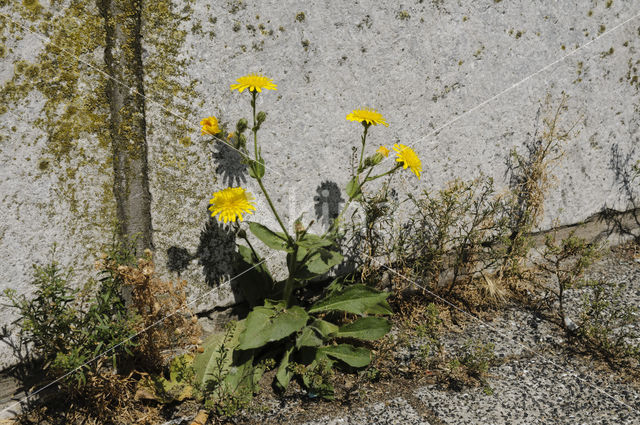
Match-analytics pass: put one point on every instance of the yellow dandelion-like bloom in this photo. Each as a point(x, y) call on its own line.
point(210, 126)
point(231, 203)
point(254, 82)
point(368, 116)
point(383, 151)
point(408, 158)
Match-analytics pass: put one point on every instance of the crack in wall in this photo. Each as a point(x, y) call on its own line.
point(123, 62)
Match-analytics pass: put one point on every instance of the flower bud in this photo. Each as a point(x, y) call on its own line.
point(242, 141)
point(241, 125)
point(242, 234)
point(261, 117)
point(372, 160)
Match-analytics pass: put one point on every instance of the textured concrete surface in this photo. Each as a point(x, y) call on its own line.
point(432, 68)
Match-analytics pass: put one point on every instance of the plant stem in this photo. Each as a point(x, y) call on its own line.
point(254, 95)
point(346, 205)
point(275, 212)
point(288, 285)
point(364, 141)
point(370, 179)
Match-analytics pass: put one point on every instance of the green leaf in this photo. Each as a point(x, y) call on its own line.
point(327, 329)
point(256, 168)
point(271, 323)
point(311, 241)
point(357, 299)
point(216, 358)
point(353, 188)
point(368, 328)
point(270, 238)
point(284, 375)
point(255, 282)
point(243, 377)
point(353, 356)
point(308, 338)
point(382, 307)
point(319, 263)
point(177, 388)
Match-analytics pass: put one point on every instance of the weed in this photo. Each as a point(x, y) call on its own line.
point(608, 323)
point(369, 232)
point(67, 328)
point(530, 181)
point(403, 15)
point(156, 302)
point(560, 267)
point(455, 234)
point(471, 366)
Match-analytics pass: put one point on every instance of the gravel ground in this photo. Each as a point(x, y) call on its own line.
point(396, 411)
point(537, 380)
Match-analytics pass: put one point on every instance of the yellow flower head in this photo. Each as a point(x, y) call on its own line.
point(367, 116)
point(383, 151)
point(254, 82)
point(210, 126)
point(231, 203)
point(230, 136)
point(408, 158)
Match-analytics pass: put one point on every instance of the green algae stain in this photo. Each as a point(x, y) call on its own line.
point(66, 72)
point(171, 95)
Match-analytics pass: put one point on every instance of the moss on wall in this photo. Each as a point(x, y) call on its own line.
point(67, 73)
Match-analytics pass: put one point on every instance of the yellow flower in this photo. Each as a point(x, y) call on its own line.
point(229, 136)
point(408, 158)
point(383, 151)
point(368, 116)
point(231, 203)
point(254, 82)
point(210, 126)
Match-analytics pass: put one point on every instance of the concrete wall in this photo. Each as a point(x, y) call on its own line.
point(461, 82)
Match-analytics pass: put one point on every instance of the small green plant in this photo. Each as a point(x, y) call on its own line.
point(560, 267)
point(369, 232)
point(287, 327)
point(477, 358)
point(455, 234)
point(471, 365)
point(403, 15)
point(608, 322)
point(225, 388)
point(68, 329)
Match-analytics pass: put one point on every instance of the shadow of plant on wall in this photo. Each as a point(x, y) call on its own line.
point(327, 203)
point(230, 165)
point(216, 253)
point(627, 173)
